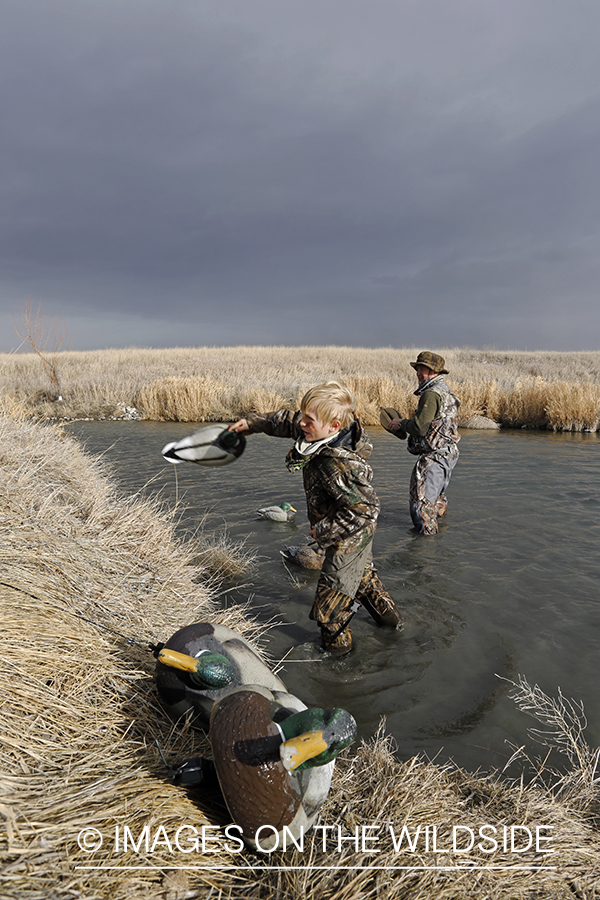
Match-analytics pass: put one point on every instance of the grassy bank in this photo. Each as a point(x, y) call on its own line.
point(560, 391)
point(80, 722)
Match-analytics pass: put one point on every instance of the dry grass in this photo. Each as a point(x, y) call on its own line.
point(560, 391)
point(217, 556)
point(80, 721)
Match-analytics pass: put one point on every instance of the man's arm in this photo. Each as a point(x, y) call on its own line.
point(428, 409)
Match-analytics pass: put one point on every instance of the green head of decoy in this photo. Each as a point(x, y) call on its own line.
point(231, 441)
point(314, 737)
point(213, 671)
point(209, 670)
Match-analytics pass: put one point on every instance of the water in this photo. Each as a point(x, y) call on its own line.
point(509, 587)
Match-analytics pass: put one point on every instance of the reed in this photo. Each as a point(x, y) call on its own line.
point(559, 391)
point(84, 572)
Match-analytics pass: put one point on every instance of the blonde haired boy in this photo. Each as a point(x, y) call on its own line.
point(332, 450)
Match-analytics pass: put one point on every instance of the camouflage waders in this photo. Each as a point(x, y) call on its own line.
point(427, 493)
point(348, 581)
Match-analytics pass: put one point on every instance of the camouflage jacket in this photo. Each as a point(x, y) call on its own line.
point(441, 437)
point(340, 500)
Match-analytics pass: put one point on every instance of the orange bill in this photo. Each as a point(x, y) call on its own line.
point(297, 750)
point(178, 660)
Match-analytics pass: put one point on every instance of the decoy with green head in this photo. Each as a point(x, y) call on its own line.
point(274, 760)
point(283, 513)
point(200, 663)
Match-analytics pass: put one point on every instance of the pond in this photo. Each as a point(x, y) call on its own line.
point(509, 587)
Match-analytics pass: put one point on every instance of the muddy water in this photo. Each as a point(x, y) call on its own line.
point(509, 587)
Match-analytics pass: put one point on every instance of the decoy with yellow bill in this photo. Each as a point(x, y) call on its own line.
point(274, 760)
point(283, 513)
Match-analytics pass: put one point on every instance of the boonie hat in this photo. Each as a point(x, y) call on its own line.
point(432, 361)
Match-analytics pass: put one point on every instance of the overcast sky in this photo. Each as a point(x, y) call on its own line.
point(363, 172)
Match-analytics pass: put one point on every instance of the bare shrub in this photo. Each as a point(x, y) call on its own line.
point(46, 341)
point(563, 724)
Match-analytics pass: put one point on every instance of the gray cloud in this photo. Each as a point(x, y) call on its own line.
point(341, 172)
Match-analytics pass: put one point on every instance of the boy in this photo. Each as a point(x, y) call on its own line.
point(332, 450)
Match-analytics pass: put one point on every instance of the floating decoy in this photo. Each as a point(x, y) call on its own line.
point(274, 759)
point(202, 662)
point(212, 445)
point(305, 556)
point(283, 513)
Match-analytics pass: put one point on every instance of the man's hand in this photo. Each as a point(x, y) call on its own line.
point(397, 428)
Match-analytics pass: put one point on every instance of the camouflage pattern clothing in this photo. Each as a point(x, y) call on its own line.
point(333, 609)
point(341, 502)
point(435, 442)
point(343, 508)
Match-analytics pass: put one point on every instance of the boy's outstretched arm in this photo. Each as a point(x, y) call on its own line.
point(283, 423)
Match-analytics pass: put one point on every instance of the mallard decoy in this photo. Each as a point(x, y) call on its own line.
point(212, 445)
point(274, 760)
point(202, 662)
point(283, 513)
point(386, 415)
point(306, 556)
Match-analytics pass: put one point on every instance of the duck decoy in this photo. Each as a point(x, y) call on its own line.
point(283, 513)
point(200, 663)
point(212, 445)
point(308, 557)
point(386, 415)
point(274, 759)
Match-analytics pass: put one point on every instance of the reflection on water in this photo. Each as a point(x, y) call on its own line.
point(508, 587)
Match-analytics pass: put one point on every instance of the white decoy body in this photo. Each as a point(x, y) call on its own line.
point(212, 445)
point(273, 757)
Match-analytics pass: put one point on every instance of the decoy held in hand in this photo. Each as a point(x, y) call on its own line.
point(212, 445)
point(274, 760)
point(386, 416)
point(283, 513)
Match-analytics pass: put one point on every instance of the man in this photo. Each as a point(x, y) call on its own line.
point(432, 436)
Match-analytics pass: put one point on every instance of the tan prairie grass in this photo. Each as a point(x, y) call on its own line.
point(217, 556)
point(88, 579)
point(511, 388)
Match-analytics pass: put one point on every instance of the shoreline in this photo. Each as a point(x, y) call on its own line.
point(540, 390)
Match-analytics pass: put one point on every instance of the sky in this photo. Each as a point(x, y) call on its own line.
point(373, 173)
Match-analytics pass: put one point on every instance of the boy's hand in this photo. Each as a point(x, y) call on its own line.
point(241, 427)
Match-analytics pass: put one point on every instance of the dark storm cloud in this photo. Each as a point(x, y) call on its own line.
point(314, 172)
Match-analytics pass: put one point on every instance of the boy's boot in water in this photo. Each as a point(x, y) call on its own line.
point(376, 600)
point(332, 610)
